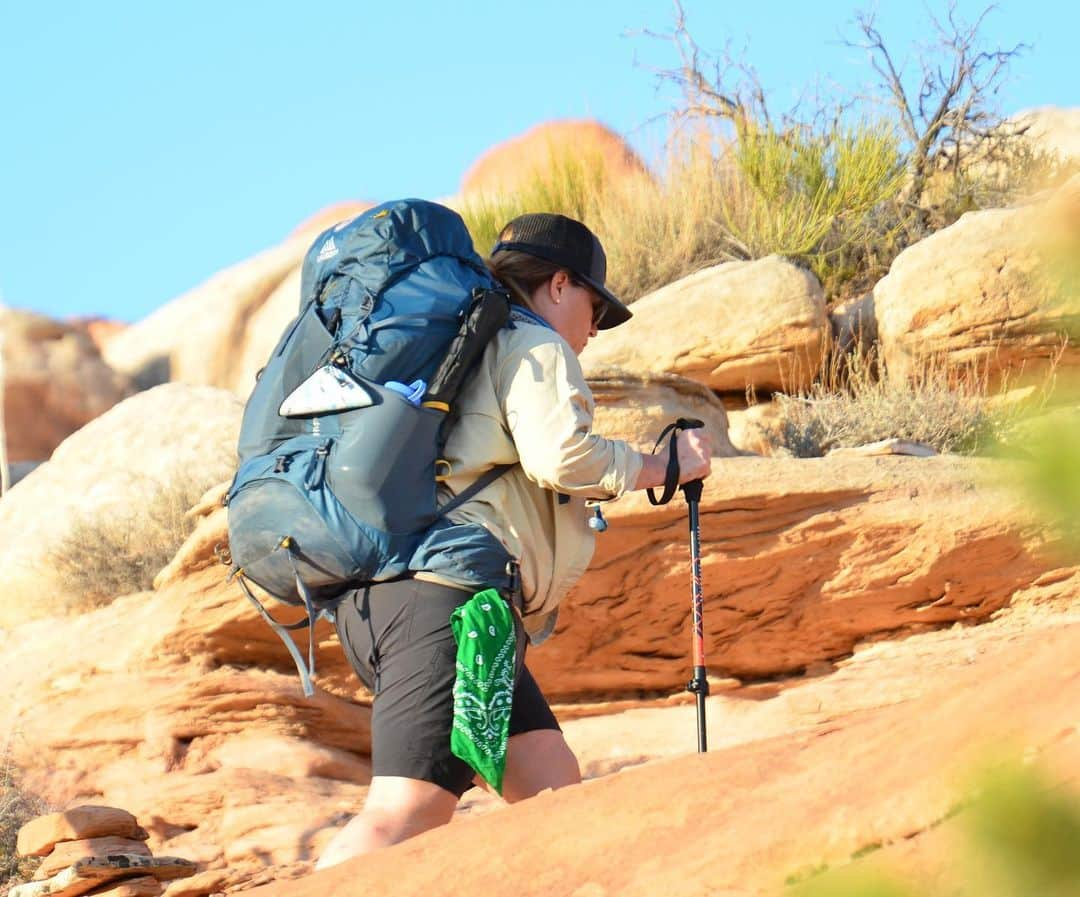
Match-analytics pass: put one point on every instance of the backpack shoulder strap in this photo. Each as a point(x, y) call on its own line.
point(473, 489)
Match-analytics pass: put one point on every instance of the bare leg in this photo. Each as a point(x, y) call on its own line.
point(396, 808)
point(537, 760)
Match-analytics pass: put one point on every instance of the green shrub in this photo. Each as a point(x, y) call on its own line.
point(1019, 839)
point(103, 558)
point(825, 197)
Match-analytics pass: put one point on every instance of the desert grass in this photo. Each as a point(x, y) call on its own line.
point(825, 196)
point(102, 558)
point(17, 807)
point(854, 402)
point(816, 197)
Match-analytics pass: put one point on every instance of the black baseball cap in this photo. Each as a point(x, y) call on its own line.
point(568, 244)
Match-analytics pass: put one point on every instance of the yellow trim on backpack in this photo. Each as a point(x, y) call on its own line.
point(438, 406)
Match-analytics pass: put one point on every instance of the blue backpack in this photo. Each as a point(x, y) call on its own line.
point(341, 437)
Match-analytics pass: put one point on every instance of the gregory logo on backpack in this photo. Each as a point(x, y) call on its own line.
point(336, 485)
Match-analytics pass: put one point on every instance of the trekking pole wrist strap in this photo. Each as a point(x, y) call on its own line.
point(671, 474)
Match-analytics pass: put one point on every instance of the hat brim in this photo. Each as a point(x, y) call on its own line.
point(616, 313)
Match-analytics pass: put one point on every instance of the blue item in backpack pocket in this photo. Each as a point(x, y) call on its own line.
point(413, 392)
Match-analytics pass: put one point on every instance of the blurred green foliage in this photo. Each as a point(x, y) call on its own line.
point(1019, 837)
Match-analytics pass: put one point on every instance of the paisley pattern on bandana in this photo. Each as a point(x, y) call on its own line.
point(484, 688)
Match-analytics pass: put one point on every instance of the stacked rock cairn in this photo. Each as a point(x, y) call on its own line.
point(94, 851)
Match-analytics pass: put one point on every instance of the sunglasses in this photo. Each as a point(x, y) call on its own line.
point(599, 306)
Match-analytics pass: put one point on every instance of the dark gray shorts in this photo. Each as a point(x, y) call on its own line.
point(397, 637)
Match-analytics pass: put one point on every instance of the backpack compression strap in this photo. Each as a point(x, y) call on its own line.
point(671, 476)
point(306, 671)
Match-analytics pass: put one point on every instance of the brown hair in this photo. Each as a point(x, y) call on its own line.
point(521, 273)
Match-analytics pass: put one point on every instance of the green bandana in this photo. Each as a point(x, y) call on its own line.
point(484, 631)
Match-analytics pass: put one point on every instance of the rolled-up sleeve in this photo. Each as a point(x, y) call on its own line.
point(549, 409)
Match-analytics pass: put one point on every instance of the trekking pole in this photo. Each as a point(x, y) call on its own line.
point(699, 685)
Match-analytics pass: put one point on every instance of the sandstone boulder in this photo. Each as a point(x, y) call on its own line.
point(1052, 129)
point(976, 295)
point(54, 382)
point(759, 324)
point(174, 440)
point(92, 874)
point(100, 330)
point(40, 835)
point(635, 407)
point(755, 429)
point(198, 337)
point(517, 161)
point(140, 886)
point(66, 853)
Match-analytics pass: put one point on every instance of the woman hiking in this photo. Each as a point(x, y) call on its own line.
point(527, 405)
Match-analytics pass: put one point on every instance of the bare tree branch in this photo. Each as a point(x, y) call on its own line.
point(731, 92)
point(949, 113)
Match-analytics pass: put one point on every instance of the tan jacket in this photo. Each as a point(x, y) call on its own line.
point(528, 402)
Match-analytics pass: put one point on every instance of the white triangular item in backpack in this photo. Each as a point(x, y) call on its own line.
point(330, 388)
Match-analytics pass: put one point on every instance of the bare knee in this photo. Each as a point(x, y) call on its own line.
point(536, 761)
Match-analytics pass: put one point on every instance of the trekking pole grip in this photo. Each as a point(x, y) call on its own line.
point(671, 476)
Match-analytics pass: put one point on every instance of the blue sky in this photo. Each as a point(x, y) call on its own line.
point(145, 146)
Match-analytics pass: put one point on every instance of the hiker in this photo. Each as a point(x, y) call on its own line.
point(527, 404)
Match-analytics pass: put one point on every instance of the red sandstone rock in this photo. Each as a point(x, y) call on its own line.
point(39, 836)
point(506, 166)
point(55, 381)
point(143, 886)
point(65, 853)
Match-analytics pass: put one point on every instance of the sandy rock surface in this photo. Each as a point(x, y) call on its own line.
point(977, 293)
point(55, 381)
point(875, 749)
point(755, 428)
point(512, 164)
point(107, 473)
point(739, 324)
point(636, 407)
point(39, 836)
point(198, 338)
point(877, 753)
point(1052, 129)
point(66, 853)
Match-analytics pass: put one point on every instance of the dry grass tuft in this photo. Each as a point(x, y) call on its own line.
point(17, 807)
point(853, 403)
point(101, 559)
